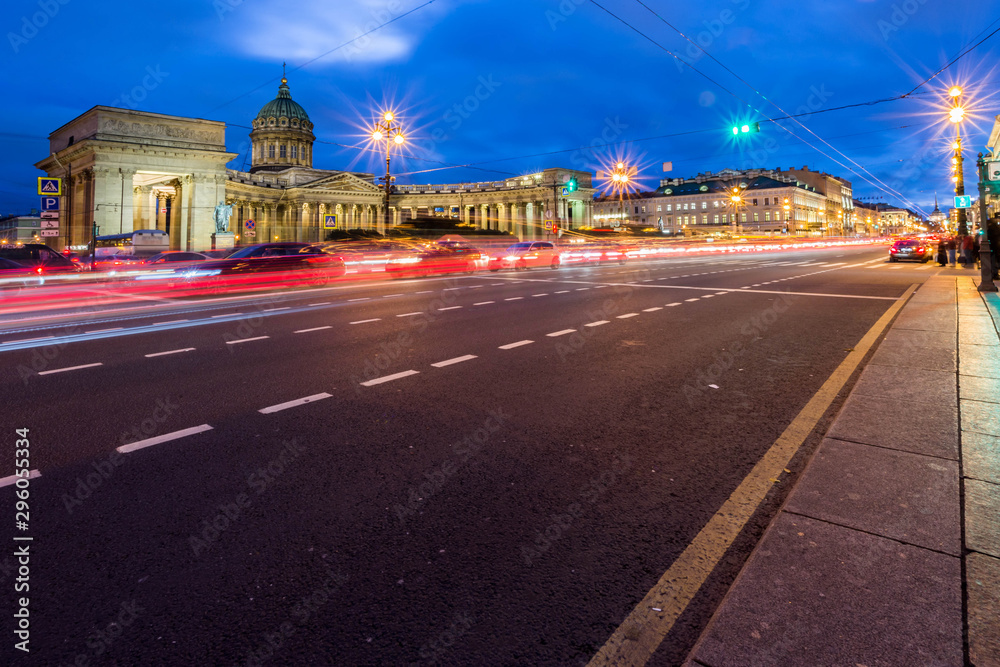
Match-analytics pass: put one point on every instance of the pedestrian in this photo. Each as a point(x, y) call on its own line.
point(993, 235)
point(970, 250)
point(942, 253)
point(951, 245)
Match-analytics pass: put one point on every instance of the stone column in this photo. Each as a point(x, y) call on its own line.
point(125, 200)
point(183, 217)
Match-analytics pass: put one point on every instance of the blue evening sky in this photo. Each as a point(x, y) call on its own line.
point(516, 86)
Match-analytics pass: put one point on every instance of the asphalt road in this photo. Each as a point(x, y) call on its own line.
point(478, 470)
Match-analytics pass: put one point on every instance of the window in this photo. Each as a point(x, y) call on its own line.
point(754, 202)
point(704, 219)
point(637, 209)
point(270, 150)
point(716, 218)
point(643, 209)
point(716, 203)
point(767, 201)
point(725, 218)
point(658, 208)
point(767, 216)
point(669, 206)
point(284, 149)
point(756, 216)
point(295, 152)
point(704, 205)
point(744, 217)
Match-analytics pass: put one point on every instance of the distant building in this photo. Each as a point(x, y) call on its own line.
point(937, 218)
point(20, 229)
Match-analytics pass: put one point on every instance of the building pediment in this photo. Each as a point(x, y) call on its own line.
point(341, 182)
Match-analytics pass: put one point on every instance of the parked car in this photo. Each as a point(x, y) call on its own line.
point(437, 258)
point(526, 255)
point(918, 249)
point(265, 263)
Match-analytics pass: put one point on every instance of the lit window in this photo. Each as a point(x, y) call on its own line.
point(754, 202)
point(669, 206)
point(716, 218)
point(756, 216)
point(744, 217)
point(704, 205)
point(767, 216)
point(704, 219)
point(658, 208)
point(643, 209)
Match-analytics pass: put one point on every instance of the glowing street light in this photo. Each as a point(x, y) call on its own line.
point(621, 178)
point(385, 130)
point(956, 114)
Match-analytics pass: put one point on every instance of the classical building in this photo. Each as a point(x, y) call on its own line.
point(20, 229)
point(124, 170)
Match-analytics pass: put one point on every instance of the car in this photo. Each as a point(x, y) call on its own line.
point(265, 263)
point(38, 257)
point(917, 249)
point(526, 255)
point(437, 258)
point(174, 257)
point(367, 256)
point(13, 276)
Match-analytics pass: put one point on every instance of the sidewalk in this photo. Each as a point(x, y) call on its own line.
point(898, 508)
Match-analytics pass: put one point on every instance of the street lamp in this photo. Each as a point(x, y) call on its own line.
point(621, 180)
point(392, 134)
point(956, 115)
point(788, 215)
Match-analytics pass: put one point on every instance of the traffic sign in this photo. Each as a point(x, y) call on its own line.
point(251, 233)
point(50, 224)
point(548, 225)
point(565, 191)
point(50, 215)
point(50, 232)
point(330, 222)
point(50, 203)
point(49, 186)
point(250, 225)
point(963, 201)
point(993, 170)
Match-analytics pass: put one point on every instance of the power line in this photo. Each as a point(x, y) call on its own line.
point(955, 59)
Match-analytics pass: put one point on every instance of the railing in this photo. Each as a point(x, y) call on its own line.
point(256, 179)
point(489, 186)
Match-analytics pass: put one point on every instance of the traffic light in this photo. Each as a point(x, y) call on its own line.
point(571, 185)
point(746, 128)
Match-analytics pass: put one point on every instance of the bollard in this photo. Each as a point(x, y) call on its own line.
point(986, 266)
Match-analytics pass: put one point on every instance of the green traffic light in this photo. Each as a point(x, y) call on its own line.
point(571, 185)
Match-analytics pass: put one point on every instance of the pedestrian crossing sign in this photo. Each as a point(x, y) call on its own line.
point(330, 222)
point(49, 186)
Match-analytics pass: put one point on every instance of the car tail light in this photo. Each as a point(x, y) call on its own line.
point(38, 270)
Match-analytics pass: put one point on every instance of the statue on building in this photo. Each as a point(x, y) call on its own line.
point(222, 213)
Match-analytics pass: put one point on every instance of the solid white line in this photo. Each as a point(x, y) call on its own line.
point(103, 330)
point(291, 404)
point(7, 481)
point(676, 303)
point(450, 308)
point(409, 314)
point(652, 310)
point(157, 324)
point(388, 378)
point(483, 303)
point(596, 324)
point(561, 333)
point(514, 298)
point(71, 368)
point(166, 437)
point(313, 329)
point(245, 340)
point(268, 310)
point(511, 346)
point(626, 316)
point(161, 354)
point(456, 360)
point(226, 315)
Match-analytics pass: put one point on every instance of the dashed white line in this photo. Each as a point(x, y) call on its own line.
point(514, 298)
point(291, 404)
point(483, 303)
point(603, 286)
point(652, 310)
point(426, 291)
point(409, 314)
point(626, 316)
point(163, 354)
point(268, 310)
point(7, 481)
point(593, 324)
point(166, 437)
point(456, 360)
point(582, 289)
point(449, 289)
point(707, 296)
point(546, 294)
point(562, 291)
point(245, 340)
point(313, 329)
point(364, 298)
point(226, 315)
point(103, 330)
point(450, 308)
point(720, 293)
point(388, 378)
point(694, 299)
point(374, 319)
point(386, 296)
point(560, 333)
point(70, 368)
point(321, 303)
point(675, 303)
point(511, 346)
point(157, 324)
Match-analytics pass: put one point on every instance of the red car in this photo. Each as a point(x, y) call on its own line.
point(437, 259)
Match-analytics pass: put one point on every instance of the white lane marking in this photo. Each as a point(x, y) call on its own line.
point(708, 296)
point(450, 308)
point(836, 263)
point(7, 481)
point(603, 286)
point(652, 310)
point(291, 404)
point(268, 310)
point(70, 368)
point(581, 289)
point(595, 324)
point(495, 284)
point(157, 324)
point(720, 293)
point(103, 330)
point(166, 437)
point(675, 303)
point(514, 298)
point(426, 291)
point(694, 299)
point(386, 296)
point(245, 340)
point(546, 294)
point(226, 315)
point(321, 303)
point(483, 303)
point(560, 333)
point(562, 291)
point(374, 319)
point(626, 316)
point(26, 340)
point(756, 285)
point(449, 289)
point(313, 329)
point(388, 378)
point(476, 286)
point(364, 298)
point(456, 360)
point(895, 268)
point(511, 346)
point(409, 314)
point(162, 354)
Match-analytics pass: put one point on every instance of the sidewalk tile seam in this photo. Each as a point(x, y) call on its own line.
point(984, 481)
point(868, 532)
point(891, 449)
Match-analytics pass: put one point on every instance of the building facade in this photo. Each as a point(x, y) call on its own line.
point(20, 229)
point(124, 170)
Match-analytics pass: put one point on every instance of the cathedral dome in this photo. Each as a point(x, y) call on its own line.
point(283, 106)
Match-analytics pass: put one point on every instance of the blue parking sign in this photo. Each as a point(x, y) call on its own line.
point(50, 203)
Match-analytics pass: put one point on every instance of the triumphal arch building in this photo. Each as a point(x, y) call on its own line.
point(124, 170)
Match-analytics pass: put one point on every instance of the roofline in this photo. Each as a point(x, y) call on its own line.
point(145, 114)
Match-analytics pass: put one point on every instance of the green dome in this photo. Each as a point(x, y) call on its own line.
point(283, 106)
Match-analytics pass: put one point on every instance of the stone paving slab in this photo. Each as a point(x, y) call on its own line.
point(982, 517)
point(907, 384)
point(981, 456)
point(922, 428)
point(983, 576)
point(906, 497)
point(971, 338)
point(981, 417)
point(915, 338)
point(814, 593)
point(978, 389)
point(979, 360)
point(931, 319)
point(896, 353)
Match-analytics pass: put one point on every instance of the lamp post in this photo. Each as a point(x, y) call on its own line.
point(621, 177)
point(956, 115)
point(384, 129)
